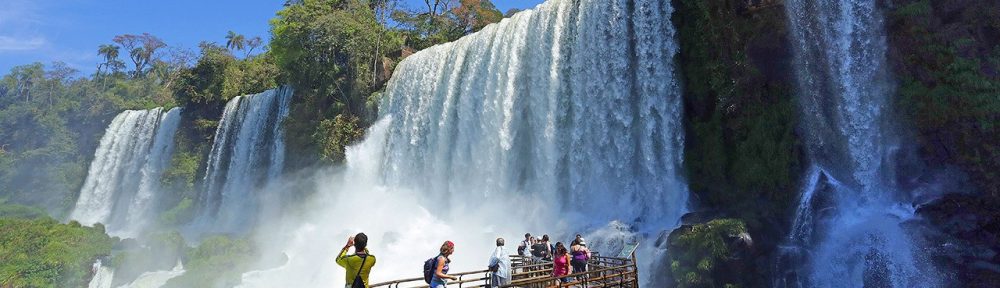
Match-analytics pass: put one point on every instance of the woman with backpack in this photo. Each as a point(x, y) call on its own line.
point(581, 254)
point(438, 279)
point(560, 263)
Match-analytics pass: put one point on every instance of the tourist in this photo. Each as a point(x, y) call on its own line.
point(440, 277)
point(539, 250)
point(560, 263)
point(549, 248)
point(499, 266)
point(525, 245)
point(358, 265)
point(580, 253)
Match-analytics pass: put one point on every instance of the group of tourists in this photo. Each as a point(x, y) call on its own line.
point(359, 265)
point(563, 258)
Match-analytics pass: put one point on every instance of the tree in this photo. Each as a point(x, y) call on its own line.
point(234, 41)
point(327, 45)
point(204, 82)
point(253, 43)
point(434, 6)
point(110, 53)
point(473, 15)
point(142, 50)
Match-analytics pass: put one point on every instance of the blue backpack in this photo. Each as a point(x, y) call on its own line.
point(429, 266)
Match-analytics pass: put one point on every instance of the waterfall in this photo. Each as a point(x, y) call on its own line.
point(156, 279)
point(844, 87)
point(122, 183)
point(575, 102)
point(247, 153)
point(559, 119)
point(102, 276)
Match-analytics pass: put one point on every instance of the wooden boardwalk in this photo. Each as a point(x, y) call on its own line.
point(601, 272)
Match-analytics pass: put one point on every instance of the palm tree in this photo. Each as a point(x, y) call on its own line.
point(253, 43)
point(110, 53)
point(235, 41)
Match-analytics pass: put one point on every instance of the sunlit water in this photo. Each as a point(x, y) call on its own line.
point(122, 184)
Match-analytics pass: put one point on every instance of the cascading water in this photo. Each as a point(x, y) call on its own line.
point(247, 154)
point(558, 119)
point(843, 90)
point(122, 183)
point(102, 275)
point(156, 279)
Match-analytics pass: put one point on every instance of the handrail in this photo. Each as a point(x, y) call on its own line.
point(539, 281)
point(528, 272)
point(422, 279)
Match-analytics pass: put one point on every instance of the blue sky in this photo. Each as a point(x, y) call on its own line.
point(70, 30)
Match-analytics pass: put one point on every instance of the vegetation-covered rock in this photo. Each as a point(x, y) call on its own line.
point(45, 253)
point(713, 254)
point(219, 261)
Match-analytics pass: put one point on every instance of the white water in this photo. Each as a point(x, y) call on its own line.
point(155, 279)
point(102, 276)
point(558, 120)
point(248, 153)
point(122, 183)
point(844, 90)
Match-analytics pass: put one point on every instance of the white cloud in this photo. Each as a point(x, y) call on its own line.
point(21, 44)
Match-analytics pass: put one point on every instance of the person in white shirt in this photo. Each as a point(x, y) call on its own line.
point(525, 245)
point(499, 266)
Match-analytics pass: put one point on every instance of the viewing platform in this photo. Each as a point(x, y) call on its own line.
point(602, 271)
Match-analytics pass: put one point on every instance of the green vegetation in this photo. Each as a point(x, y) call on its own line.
point(699, 254)
point(337, 134)
point(217, 262)
point(743, 156)
point(182, 213)
point(947, 59)
point(45, 253)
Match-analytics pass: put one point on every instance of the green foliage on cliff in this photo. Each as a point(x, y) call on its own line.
point(45, 253)
point(697, 253)
point(743, 156)
point(182, 213)
point(947, 59)
point(335, 53)
point(337, 134)
point(218, 261)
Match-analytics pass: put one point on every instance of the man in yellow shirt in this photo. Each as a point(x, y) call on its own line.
point(359, 264)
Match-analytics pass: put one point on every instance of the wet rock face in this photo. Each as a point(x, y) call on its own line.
point(968, 241)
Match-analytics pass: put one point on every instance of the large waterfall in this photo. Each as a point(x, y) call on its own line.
point(247, 154)
point(576, 104)
point(558, 120)
point(844, 87)
point(122, 183)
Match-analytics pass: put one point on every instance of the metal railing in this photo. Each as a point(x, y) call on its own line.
point(526, 272)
